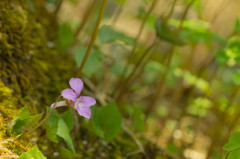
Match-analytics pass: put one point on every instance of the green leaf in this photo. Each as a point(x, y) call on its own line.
point(173, 148)
point(237, 24)
point(197, 5)
point(219, 39)
point(52, 126)
point(196, 31)
point(66, 154)
point(107, 121)
point(64, 132)
point(142, 13)
point(234, 154)
point(199, 106)
point(33, 153)
point(33, 120)
point(107, 34)
point(233, 143)
point(16, 125)
point(117, 68)
point(138, 119)
point(23, 121)
point(73, 1)
point(221, 57)
point(30, 5)
point(65, 37)
point(94, 61)
point(166, 33)
point(68, 119)
point(52, 1)
point(236, 77)
point(121, 2)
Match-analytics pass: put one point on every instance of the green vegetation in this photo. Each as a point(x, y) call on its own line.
point(165, 76)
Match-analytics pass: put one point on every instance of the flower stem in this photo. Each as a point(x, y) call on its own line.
point(47, 116)
point(93, 37)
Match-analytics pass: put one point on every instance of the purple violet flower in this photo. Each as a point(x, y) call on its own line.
point(82, 103)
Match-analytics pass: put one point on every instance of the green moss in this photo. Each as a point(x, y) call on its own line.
point(32, 73)
point(8, 106)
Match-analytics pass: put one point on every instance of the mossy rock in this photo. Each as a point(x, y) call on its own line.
point(32, 72)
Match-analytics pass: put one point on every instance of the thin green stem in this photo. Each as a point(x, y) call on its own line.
point(185, 14)
point(141, 29)
point(178, 93)
point(95, 32)
point(172, 9)
point(84, 21)
point(117, 14)
point(232, 125)
point(232, 97)
point(169, 61)
point(220, 124)
point(143, 65)
point(228, 155)
point(125, 84)
point(135, 44)
point(59, 4)
point(46, 117)
point(160, 84)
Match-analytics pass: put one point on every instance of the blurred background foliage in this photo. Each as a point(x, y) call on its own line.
point(165, 74)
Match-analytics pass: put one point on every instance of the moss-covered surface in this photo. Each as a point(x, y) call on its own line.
point(33, 73)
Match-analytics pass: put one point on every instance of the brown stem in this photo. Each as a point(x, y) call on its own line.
point(228, 155)
point(117, 14)
point(232, 125)
point(135, 45)
point(232, 98)
point(185, 14)
point(125, 84)
point(93, 37)
point(141, 29)
point(59, 4)
point(220, 124)
point(85, 19)
point(160, 84)
point(172, 9)
point(169, 60)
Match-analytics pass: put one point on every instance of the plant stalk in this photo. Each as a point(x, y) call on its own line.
point(125, 84)
point(135, 44)
point(85, 19)
point(169, 61)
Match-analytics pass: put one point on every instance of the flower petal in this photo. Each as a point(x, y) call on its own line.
point(59, 104)
point(69, 94)
point(84, 111)
point(76, 84)
point(86, 101)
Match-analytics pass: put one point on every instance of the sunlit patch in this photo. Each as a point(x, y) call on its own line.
point(193, 154)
